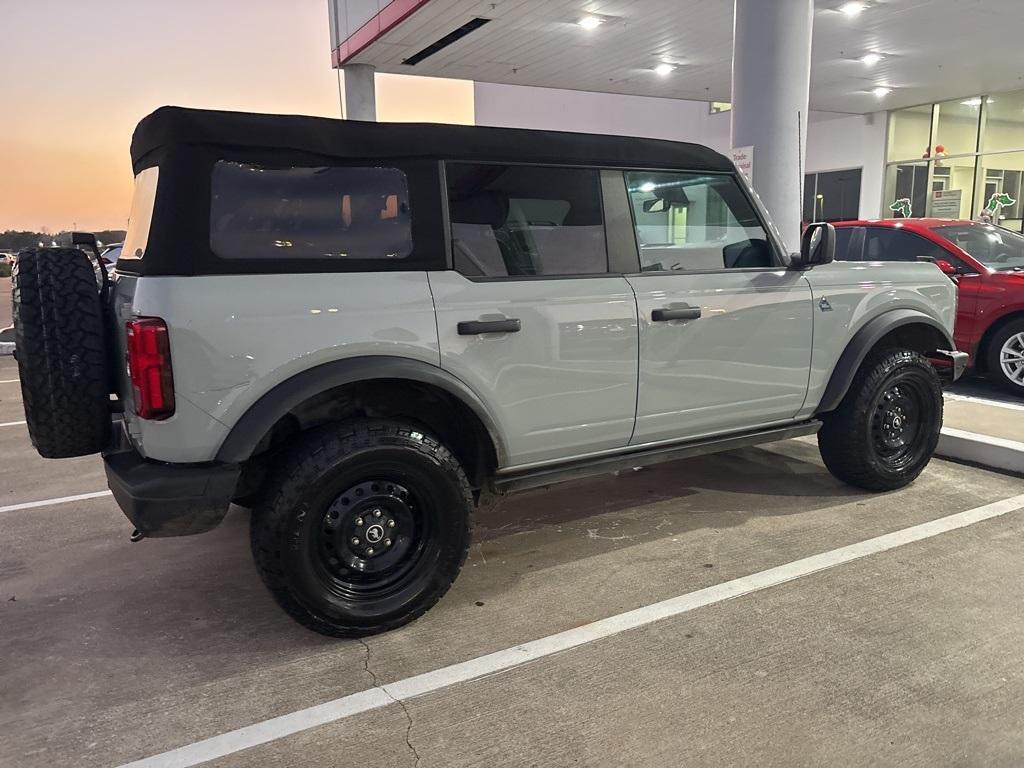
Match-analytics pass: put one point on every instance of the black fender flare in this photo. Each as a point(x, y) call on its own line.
point(863, 342)
point(262, 415)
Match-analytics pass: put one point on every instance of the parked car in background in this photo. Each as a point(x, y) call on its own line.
point(110, 255)
point(986, 262)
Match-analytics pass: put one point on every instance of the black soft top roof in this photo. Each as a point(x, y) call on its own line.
point(170, 127)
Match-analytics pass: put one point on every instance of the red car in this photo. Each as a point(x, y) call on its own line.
point(986, 261)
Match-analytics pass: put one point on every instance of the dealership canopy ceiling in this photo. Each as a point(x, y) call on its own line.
point(870, 55)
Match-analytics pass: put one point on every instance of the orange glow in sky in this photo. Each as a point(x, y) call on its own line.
point(78, 76)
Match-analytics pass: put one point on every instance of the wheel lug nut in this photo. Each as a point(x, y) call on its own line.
point(376, 513)
point(391, 523)
point(359, 521)
point(355, 541)
point(369, 551)
point(387, 542)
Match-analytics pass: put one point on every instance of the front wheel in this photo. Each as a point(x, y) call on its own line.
point(885, 430)
point(362, 527)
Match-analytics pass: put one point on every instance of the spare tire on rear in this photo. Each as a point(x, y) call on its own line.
point(60, 344)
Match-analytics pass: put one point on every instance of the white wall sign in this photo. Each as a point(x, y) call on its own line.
point(743, 159)
point(946, 203)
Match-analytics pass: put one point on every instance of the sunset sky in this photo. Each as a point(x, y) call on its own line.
point(79, 74)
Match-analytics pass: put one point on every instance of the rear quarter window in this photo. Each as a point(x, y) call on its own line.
point(141, 217)
point(324, 212)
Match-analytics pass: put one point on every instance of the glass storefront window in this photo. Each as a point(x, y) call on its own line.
point(906, 190)
point(1004, 122)
point(1002, 176)
point(957, 130)
point(952, 188)
point(957, 158)
point(910, 133)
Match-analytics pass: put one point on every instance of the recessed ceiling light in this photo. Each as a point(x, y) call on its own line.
point(852, 8)
point(590, 22)
point(664, 69)
point(871, 58)
point(881, 90)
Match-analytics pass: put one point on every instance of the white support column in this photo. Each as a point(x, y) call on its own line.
point(771, 70)
point(360, 93)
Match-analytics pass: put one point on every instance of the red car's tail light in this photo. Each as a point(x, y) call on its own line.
point(149, 367)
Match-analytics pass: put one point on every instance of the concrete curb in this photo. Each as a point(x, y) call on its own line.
point(982, 450)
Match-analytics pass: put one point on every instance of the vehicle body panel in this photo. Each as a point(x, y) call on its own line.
point(742, 363)
point(234, 338)
point(855, 293)
point(565, 384)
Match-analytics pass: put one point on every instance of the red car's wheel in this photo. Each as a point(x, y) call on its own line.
point(1006, 356)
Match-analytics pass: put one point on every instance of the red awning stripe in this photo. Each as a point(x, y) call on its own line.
point(393, 14)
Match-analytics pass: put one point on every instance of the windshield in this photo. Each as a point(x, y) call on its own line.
point(993, 246)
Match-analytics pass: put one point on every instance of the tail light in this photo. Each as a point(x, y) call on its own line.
point(149, 367)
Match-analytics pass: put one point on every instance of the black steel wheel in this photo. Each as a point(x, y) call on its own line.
point(362, 527)
point(885, 430)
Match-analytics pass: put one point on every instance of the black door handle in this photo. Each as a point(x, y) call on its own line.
point(473, 327)
point(681, 313)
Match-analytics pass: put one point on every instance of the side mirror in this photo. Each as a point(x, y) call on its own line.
point(946, 267)
point(818, 245)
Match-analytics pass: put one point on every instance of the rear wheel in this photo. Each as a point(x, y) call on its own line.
point(1006, 357)
point(362, 527)
point(885, 430)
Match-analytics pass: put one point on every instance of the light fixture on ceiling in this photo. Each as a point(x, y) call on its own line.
point(590, 22)
point(881, 90)
point(871, 58)
point(647, 186)
point(852, 8)
point(664, 69)
point(976, 101)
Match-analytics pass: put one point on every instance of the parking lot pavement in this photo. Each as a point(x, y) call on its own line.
point(5, 303)
point(113, 651)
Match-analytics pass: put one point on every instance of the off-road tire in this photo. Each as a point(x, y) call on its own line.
point(60, 344)
point(848, 439)
point(299, 496)
point(992, 361)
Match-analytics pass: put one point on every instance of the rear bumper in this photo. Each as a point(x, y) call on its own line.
point(958, 363)
point(170, 499)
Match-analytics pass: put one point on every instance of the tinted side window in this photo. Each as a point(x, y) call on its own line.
point(327, 212)
point(688, 221)
point(848, 243)
point(883, 244)
point(512, 220)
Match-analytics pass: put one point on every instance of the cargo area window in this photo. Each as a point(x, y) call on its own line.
point(326, 212)
point(518, 220)
point(141, 217)
point(687, 222)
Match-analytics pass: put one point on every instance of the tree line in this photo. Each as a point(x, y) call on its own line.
point(15, 240)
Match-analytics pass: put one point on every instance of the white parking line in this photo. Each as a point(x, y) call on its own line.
point(11, 423)
point(429, 682)
point(984, 401)
point(9, 381)
point(51, 502)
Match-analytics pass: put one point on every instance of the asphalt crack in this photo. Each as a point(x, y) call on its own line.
point(408, 716)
